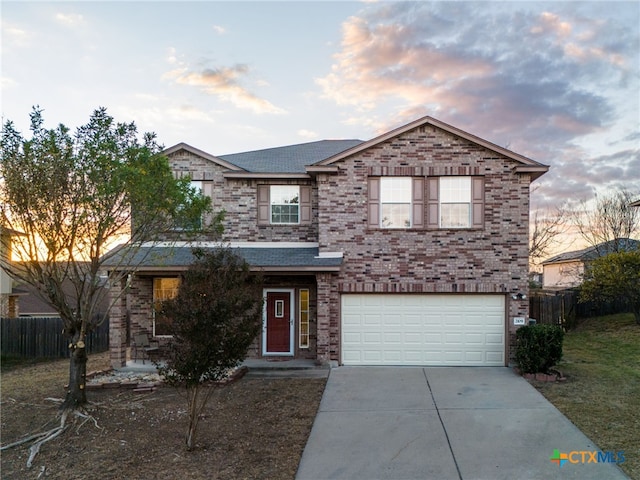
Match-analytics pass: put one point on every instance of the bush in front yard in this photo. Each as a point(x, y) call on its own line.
point(538, 347)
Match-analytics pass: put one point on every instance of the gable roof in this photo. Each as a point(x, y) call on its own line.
point(527, 165)
point(290, 158)
point(200, 153)
point(591, 253)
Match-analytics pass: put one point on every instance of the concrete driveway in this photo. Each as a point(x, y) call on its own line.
point(441, 423)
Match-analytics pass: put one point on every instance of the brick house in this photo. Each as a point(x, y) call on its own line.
point(407, 249)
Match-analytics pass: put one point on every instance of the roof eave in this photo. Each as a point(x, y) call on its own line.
point(313, 169)
point(266, 175)
point(177, 269)
point(534, 170)
point(444, 126)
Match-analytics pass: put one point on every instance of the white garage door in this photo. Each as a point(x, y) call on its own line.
point(398, 329)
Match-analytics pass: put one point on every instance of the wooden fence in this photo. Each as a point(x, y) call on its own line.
point(43, 337)
point(562, 308)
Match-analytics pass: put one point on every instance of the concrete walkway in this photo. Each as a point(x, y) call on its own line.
point(441, 423)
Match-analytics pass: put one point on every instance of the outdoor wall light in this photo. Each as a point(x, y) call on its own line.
point(519, 296)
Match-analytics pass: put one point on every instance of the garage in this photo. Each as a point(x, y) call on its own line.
point(423, 329)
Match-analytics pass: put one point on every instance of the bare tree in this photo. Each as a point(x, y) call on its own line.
point(612, 218)
point(546, 230)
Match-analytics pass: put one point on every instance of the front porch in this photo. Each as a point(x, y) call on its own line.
point(295, 329)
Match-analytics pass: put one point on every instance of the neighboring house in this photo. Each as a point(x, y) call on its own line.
point(407, 249)
point(8, 298)
point(567, 269)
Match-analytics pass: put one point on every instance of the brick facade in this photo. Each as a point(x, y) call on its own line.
point(490, 259)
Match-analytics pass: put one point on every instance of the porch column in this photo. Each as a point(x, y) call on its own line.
point(118, 325)
point(323, 341)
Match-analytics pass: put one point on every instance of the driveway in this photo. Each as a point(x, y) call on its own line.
point(441, 423)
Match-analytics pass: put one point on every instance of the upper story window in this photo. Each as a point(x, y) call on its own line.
point(455, 202)
point(187, 221)
point(396, 202)
point(451, 202)
point(285, 203)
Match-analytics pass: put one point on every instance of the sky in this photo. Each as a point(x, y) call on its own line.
point(558, 82)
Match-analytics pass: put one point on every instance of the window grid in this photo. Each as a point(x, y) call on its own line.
point(304, 318)
point(395, 202)
point(285, 204)
point(455, 202)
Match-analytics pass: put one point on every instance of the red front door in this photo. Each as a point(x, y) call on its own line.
point(278, 322)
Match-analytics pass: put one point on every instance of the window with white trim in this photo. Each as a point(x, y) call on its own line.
point(164, 288)
point(304, 317)
point(285, 203)
point(395, 202)
point(455, 202)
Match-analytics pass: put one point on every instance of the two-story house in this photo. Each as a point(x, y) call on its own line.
point(407, 249)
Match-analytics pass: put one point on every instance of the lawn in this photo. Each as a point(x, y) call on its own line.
point(253, 428)
point(602, 393)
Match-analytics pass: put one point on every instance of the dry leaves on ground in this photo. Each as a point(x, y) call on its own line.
point(254, 428)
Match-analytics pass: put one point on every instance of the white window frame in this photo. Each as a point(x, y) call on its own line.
point(455, 191)
point(275, 197)
point(396, 191)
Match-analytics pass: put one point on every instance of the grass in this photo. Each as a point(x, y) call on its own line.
point(10, 362)
point(602, 393)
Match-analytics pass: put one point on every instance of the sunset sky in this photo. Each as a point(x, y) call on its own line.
point(558, 82)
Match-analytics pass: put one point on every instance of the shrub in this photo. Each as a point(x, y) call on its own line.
point(538, 347)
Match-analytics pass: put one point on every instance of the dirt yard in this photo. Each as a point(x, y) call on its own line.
point(254, 428)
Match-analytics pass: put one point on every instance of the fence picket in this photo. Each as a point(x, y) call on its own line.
point(43, 337)
point(562, 308)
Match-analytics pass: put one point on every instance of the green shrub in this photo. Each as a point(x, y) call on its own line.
point(538, 347)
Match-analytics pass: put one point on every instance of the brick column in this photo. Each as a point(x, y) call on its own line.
point(118, 325)
point(323, 333)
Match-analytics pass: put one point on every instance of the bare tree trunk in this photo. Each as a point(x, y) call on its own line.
point(192, 394)
point(76, 393)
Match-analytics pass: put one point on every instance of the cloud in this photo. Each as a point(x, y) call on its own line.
point(224, 83)
point(219, 30)
point(538, 81)
point(69, 19)
point(14, 35)
point(307, 134)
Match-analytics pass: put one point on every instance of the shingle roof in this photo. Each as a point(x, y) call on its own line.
point(181, 257)
point(591, 253)
point(288, 159)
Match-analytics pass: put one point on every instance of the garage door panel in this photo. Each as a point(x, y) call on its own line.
point(400, 329)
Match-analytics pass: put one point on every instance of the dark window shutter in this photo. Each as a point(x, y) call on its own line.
point(264, 210)
point(433, 187)
point(477, 202)
point(417, 203)
point(374, 202)
point(305, 204)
